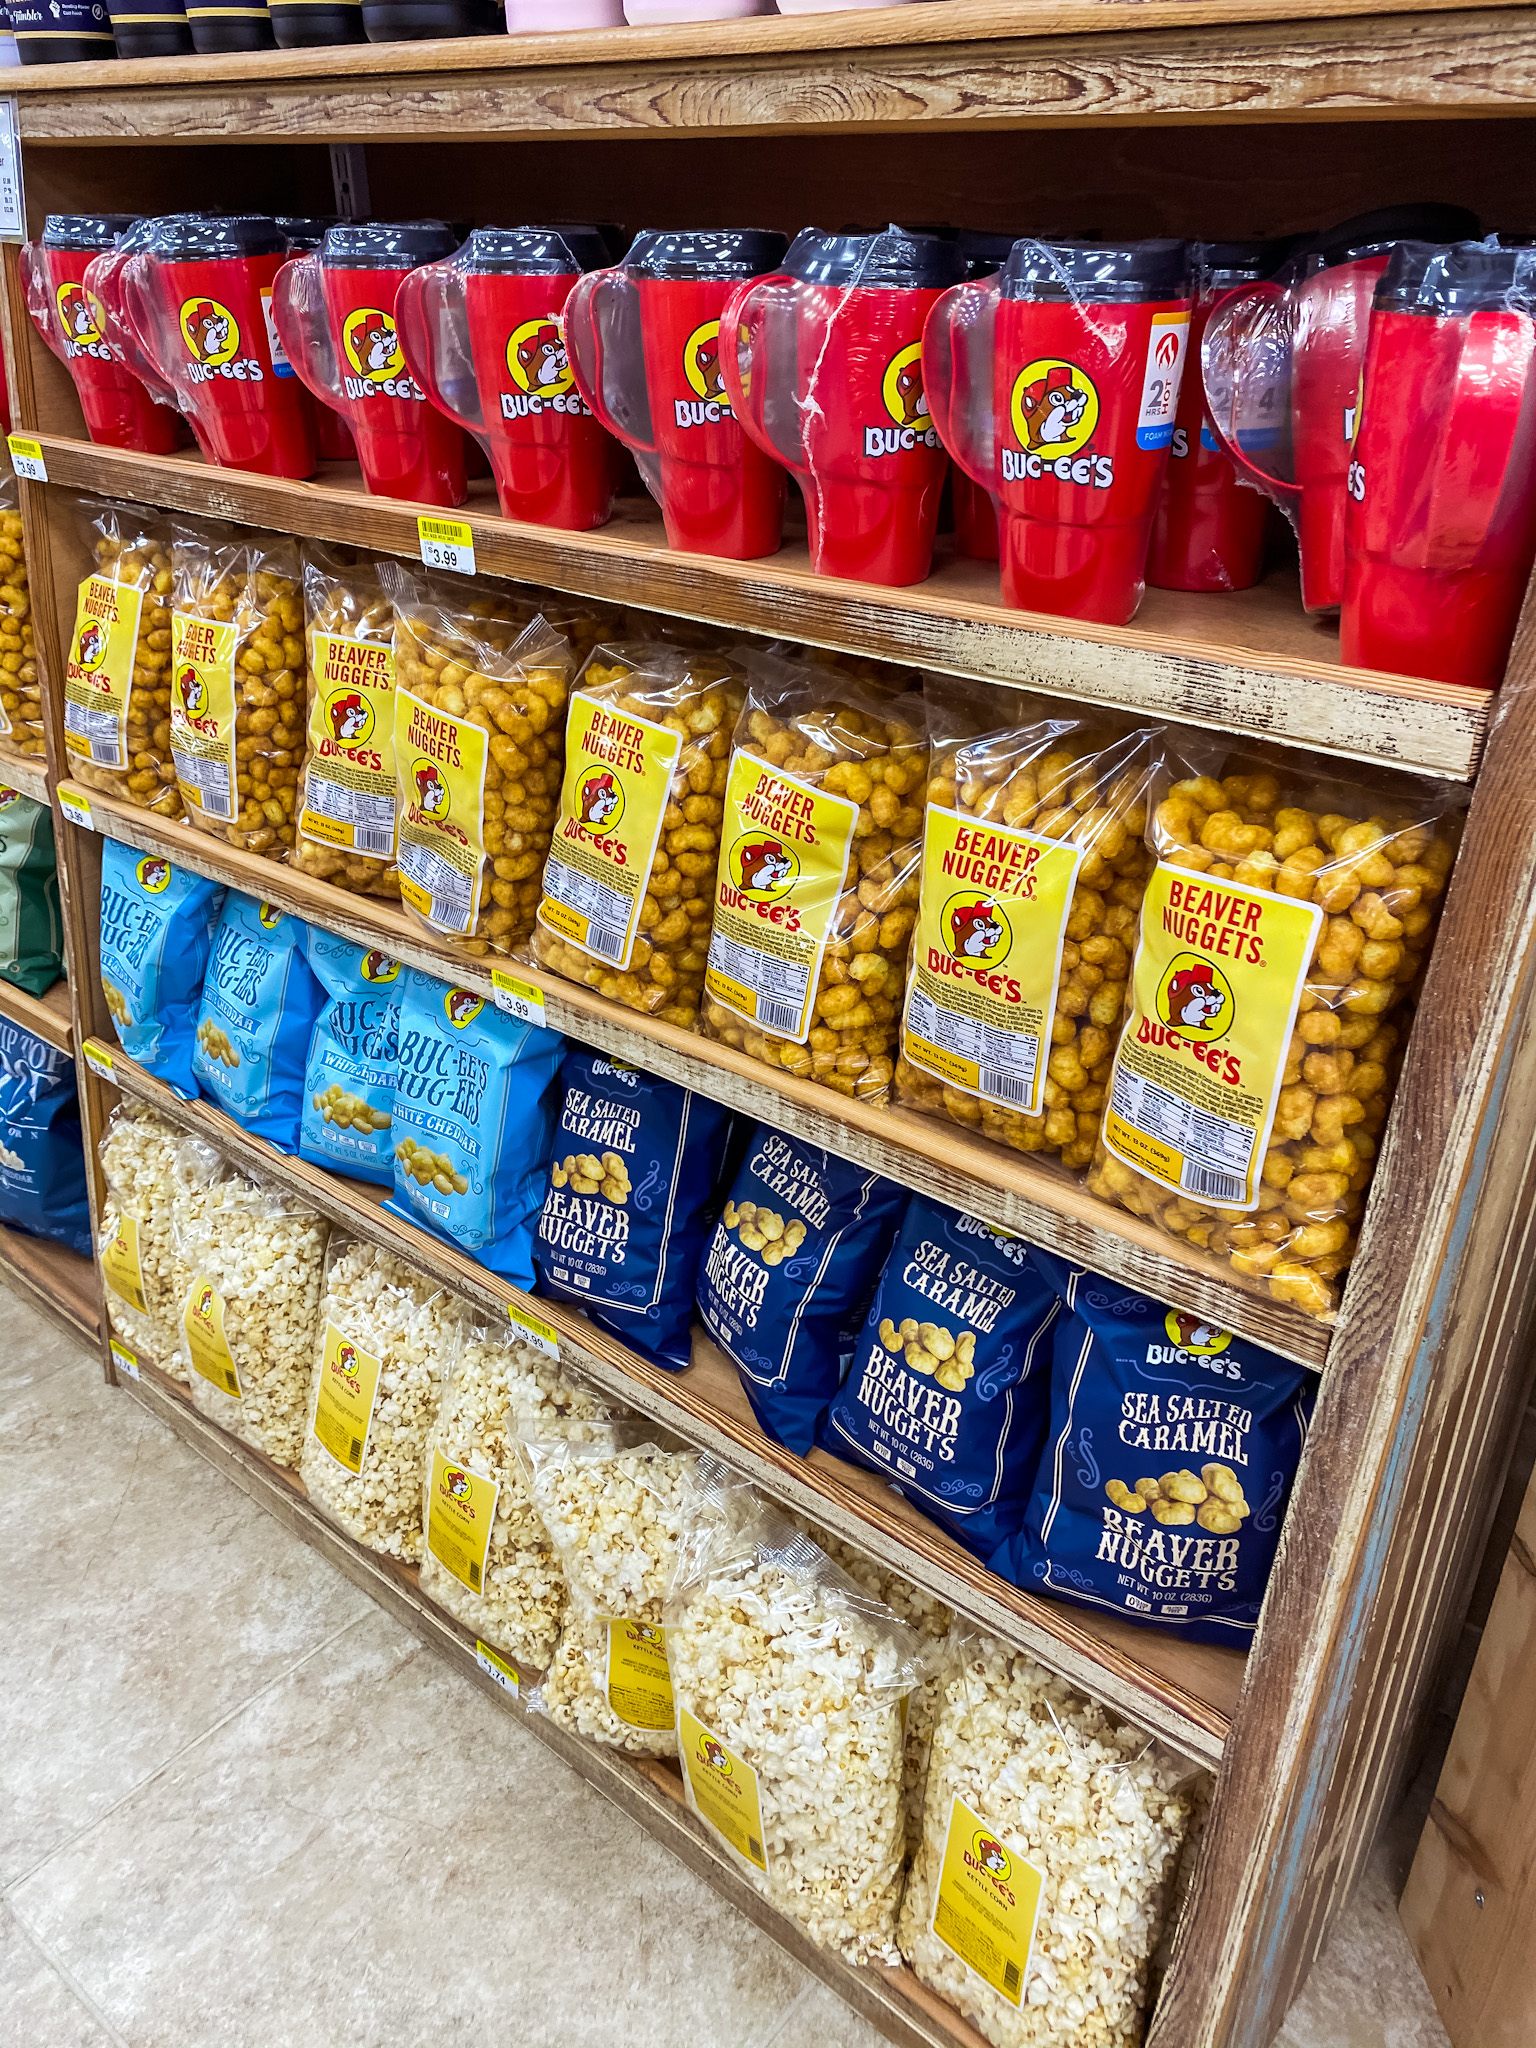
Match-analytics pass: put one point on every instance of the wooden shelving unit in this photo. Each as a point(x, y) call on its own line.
point(55, 1280)
point(1093, 117)
point(26, 773)
point(50, 1015)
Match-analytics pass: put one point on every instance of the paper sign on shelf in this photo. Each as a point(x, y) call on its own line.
point(496, 1668)
point(27, 458)
point(98, 1059)
point(13, 205)
point(519, 999)
point(76, 806)
point(539, 1334)
point(446, 544)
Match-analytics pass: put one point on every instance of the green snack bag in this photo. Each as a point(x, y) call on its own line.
point(31, 930)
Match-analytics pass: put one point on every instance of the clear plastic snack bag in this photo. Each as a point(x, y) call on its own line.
point(21, 692)
point(347, 788)
point(135, 1249)
point(117, 670)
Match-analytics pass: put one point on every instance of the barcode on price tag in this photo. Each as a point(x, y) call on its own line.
point(98, 1059)
point(539, 1334)
point(27, 458)
point(518, 998)
point(497, 1669)
point(124, 1359)
point(76, 807)
point(447, 544)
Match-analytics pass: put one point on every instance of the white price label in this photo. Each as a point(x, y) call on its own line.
point(519, 999)
point(76, 806)
point(538, 1333)
point(124, 1359)
point(13, 205)
point(98, 1059)
point(497, 1669)
point(27, 458)
point(446, 544)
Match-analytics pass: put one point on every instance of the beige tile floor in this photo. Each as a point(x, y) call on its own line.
point(242, 1806)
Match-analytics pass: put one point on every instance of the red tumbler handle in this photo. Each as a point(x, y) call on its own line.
point(429, 302)
point(586, 346)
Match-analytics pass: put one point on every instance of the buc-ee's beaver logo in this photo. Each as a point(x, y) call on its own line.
point(378, 967)
point(714, 1756)
point(432, 798)
point(1054, 411)
point(193, 692)
point(375, 362)
point(1194, 999)
point(540, 370)
point(154, 874)
point(991, 1856)
point(90, 653)
point(350, 717)
point(1190, 1333)
point(212, 335)
point(764, 867)
point(602, 801)
point(80, 321)
point(461, 1006)
point(701, 367)
point(903, 396)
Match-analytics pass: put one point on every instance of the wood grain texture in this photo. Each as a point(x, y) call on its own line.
point(1181, 1691)
point(1250, 662)
point(50, 1016)
point(1002, 67)
point(55, 1280)
point(23, 772)
point(932, 1155)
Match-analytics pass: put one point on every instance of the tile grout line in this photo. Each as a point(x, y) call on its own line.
point(280, 1678)
point(781, 2020)
point(67, 1978)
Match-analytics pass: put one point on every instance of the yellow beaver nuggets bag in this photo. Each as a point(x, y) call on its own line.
point(479, 718)
point(816, 893)
point(1034, 866)
point(117, 667)
point(347, 787)
point(1284, 923)
point(626, 902)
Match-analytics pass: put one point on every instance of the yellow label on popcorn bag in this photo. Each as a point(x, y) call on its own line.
point(203, 1320)
point(638, 1680)
point(440, 770)
point(461, 1513)
point(349, 1383)
point(1215, 988)
point(724, 1789)
point(783, 860)
point(98, 671)
point(986, 957)
point(120, 1265)
point(618, 773)
point(349, 781)
point(203, 713)
point(987, 1901)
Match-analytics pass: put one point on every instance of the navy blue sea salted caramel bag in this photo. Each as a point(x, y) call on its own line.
point(787, 1275)
point(1172, 1450)
point(631, 1188)
point(948, 1395)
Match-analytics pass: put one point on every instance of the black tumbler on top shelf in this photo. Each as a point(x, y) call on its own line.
point(150, 28)
point(409, 21)
point(308, 24)
point(222, 30)
point(61, 31)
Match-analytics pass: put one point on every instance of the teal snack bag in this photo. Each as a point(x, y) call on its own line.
point(256, 1018)
point(949, 1392)
point(157, 926)
point(31, 929)
point(354, 1060)
point(1172, 1450)
point(474, 1113)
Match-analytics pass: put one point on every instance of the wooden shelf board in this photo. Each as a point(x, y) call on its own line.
point(55, 1280)
point(937, 1158)
point(26, 773)
point(1184, 1692)
point(969, 63)
point(50, 1016)
point(650, 1791)
point(1249, 663)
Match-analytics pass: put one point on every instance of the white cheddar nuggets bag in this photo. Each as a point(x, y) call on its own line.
point(1051, 1837)
point(488, 1558)
point(791, 1687)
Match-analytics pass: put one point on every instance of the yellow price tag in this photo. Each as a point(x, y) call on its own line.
point(76, 806)
point(98, 1059)
point(124, 1359)
point(27, 458)
point(539, 1334)
point(519, 999)
point(446, 544)
point(496, 1668)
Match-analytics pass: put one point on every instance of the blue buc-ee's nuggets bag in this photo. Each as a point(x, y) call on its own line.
point(631, 1188)
point(787, 1275)
point(354, 1060)
point(157, 924)
point(948, 1394)
point(42, 1156)
point(1172, 1449)
point(254, 1024)
point(474, 1108)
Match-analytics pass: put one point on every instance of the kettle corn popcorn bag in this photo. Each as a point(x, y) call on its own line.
point(474, 1108)
point(631, 1185)
point(479, 718)
point(1284, 924)
point(948, 1394)
point(787, 1273)
point(488, 1558)
point(255, 1254)
point(614, 1510)
point(142, 1275)
point(31, 926)
point(353, 1073)
point(1033, 870)
point(384, 1337)
point(42, 1154)
point(1172, 1451)
point(791, 1688)
point(254, 1023)
point(817, 888)
point(21, 692)
point(157, 926)
point(626, 902)
point(117, 669)
point(237, 683)
point(347, 786)
point(1052, 1835)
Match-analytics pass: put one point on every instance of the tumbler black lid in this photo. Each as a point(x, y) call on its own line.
point(1103, 273)
point(536, 252)
point(387, 245)
point(1365, 233)
point(1467, 277)
point(984, 254)
point(1233, 262)
point(706, 253)
point(210, 238)
point(306, 231)
point(896, 259)
point(80, 231)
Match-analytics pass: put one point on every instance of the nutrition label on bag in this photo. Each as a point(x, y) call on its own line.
point(349, 1383)
point(986, 957)
point(637, 1678)
point(618, 772)
point(203, 713)
point(1215, 986)
point(203, 1321)
point(724, 1788)
point(987, 1902)
point(349, 779)
point(461, 1513)
point(440, 764)
point(121, 1267)
point(784, 859)
point(98, 671)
